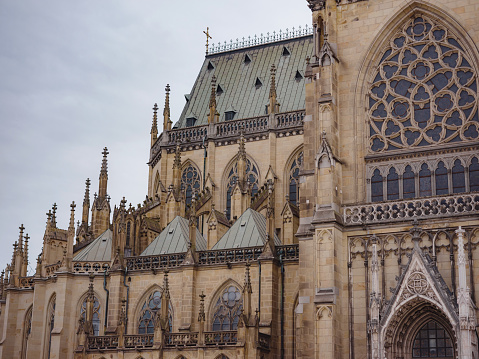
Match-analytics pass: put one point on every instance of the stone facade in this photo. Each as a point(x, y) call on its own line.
point(365, 200)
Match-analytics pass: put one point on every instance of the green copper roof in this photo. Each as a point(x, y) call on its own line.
point(248, 231)
point(237, 79)
point(97, 251)
point(174, 239)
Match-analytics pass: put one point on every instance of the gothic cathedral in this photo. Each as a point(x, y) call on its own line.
point(318, 197)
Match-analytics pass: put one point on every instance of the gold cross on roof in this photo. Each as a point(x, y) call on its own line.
point(207, 33)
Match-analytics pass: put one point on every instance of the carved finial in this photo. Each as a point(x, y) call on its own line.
point(25, 250)
point(415, 231)
point(247, 278)
point(207, 33)
point(242, 145)
point(272, 89)
point(54, 215)
point(86, 199)
point(166, 286)
point(104, 162)
point(154, 124)
point(20, 237)
point(166, 110)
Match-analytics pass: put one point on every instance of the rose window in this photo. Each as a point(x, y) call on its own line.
point(424, 91)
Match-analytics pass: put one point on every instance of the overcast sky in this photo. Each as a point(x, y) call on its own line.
point(76, 76)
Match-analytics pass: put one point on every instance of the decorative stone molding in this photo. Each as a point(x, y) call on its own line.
point(328, 309)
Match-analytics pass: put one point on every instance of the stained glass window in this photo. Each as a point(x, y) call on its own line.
point(190, 181)
point(458, 178)
point(148, 314)
point(376, 186)
point(393, 184)
point(228, 309)
point(251, 174)
point(442, 185)
point(96, 315)
point(474, 175)
point(424, 92)
point(424, 181)
point(50, 323)
point(294, 179)
point(409, 186)
point(432, 341)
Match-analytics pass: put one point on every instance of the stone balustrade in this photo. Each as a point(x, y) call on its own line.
point(407, 210)
point(90, 267)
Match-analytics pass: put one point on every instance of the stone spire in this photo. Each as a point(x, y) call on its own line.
point(241, 167)
point(103, 175)
point(273, 106)
point(165, 301)
point(54, 215)
point(20, 238)
point(154, 125)
point(177, 169)
point(166, 111)
point(213, 115)
point(86, 202)
point(25, 257)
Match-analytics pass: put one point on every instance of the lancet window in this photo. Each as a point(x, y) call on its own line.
point(228, 309)
point(96, 314)
point(447, 175)
point(50, 324)
point(149, 311)
point(251, 174)
point(424, 92)
point(432, 341)
point(27, 330)
point(294, 178)
point(190, 182)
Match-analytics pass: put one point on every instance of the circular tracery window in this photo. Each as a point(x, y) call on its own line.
point(424, 91)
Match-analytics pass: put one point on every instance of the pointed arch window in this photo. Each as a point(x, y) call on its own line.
point(228, 309)
point(474, 175)
point(190, 182)
point(27, 330)
point(409, 186)
point(50, 324)
point(96, 314)
point(393, 184)
point(149, 310)
point(442, 185)
point(432, 341)
point(252, 175)
point(424, 91)
point(376, 186)
point(424, 181)
point(458, 177)
point(294, 178)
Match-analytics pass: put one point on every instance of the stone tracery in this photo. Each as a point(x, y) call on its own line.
point(424, 91)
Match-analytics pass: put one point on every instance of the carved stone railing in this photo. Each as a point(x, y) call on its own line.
point(229, 337)
point(138, 341)
point(155, 262)
point(90, 267)
point(406, 210)
point(288, 251)
point(189, 134)
point(264, 340)
point(103, 342)
point(52, 268)
point(233, 255)
point(27, 282)
point(181, 339)
point(289, 119)
point(247, 125)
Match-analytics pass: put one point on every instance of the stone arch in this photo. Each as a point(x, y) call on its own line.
point(191, 178)
point(293, 158)
point(216, 296)
point(49, 324)
point(101, 302)
point(227, 175)
point(221, 356)
point(403, 325)
point(27, 327)
point(142, 300)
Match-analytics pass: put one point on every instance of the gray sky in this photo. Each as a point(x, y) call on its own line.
point(76, 76)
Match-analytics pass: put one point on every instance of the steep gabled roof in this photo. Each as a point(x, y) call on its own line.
point(248, 231)
point(237, 78)
point(174, 239)
point(97, 251)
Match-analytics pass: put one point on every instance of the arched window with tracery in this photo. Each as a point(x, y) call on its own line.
point(252, 175)
point(442, 183)
point(424, 91)
point(432, 341)
point(27, 330)
point(458, 178)
point(294, 178)
point(149, 310)
point(227, 309)
point(96, 314)
point(409, 186)
point(190, 182)
point(474, 175)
